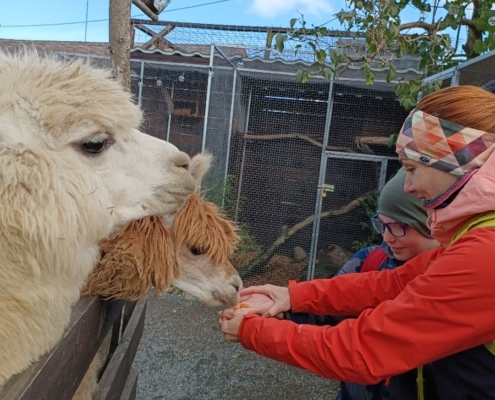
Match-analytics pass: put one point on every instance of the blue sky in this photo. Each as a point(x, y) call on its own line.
point(66, 19)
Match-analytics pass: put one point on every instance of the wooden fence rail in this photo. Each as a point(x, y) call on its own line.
point(57, 375)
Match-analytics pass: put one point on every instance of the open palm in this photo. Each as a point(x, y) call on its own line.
point(258, 303)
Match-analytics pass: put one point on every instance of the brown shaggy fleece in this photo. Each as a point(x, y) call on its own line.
point(140, 255)
point(201, 225)
point(145, 254)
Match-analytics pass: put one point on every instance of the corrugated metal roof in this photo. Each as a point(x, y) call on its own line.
point(48, 46)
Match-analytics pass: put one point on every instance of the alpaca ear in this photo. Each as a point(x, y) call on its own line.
point(200, 164)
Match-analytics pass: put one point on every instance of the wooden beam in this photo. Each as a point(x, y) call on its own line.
point(159, 37)
point(144, 8)
point(149, 32)
point(114, 378)
point(130, 388)
point(142, 28)
point(237, 28)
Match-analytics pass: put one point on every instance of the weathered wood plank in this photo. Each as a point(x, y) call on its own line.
point(58, 374)
point(118, 329)
point(128, 310)
point(130, 388)
point(114, 378)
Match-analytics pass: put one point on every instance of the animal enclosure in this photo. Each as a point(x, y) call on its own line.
point(293, 162)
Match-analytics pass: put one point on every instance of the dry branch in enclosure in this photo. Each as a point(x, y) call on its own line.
point(297, 136)
point(259, 262)
point(363, 142)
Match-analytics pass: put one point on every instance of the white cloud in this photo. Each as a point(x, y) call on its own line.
point(274, 8)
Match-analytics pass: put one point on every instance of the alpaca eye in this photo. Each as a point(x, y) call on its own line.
point(94, 147)
point(196, 251)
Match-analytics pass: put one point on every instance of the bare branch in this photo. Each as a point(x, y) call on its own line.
point(296, 136)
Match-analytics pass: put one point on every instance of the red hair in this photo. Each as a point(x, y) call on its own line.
point(469, 106)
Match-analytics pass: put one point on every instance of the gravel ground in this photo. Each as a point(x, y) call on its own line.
point(183, 356)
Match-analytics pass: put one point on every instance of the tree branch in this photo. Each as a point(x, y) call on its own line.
point(258, 263)
point(296, 136)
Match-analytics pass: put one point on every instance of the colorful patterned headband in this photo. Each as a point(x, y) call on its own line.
point(442, 144)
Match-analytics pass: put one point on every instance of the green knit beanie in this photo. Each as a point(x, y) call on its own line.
point(396, 204)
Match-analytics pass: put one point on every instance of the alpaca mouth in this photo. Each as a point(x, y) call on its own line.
point(230, 300)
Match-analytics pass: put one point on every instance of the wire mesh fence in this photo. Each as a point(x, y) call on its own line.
point(294, 142)
point(279, 146)
point(477, 72)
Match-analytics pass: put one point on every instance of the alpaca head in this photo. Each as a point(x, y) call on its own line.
point(72, 108)
point(207, 240)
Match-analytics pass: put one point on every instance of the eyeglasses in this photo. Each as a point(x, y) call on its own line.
point(397, 229)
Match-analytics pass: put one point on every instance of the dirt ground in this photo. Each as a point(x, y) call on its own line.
point(183, 356)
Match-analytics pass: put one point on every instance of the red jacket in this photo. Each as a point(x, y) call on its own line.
point(439, 303)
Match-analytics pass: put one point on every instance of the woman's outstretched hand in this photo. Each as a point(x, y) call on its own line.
point(230, 325)
point(266, 300)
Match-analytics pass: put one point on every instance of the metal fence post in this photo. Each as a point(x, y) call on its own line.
point(141, 83)
point(321, 180)
point(169, 123)
point(243, 159)
point(208, 95)
point(229, 140)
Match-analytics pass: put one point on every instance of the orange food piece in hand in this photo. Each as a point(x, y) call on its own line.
point(241, 305)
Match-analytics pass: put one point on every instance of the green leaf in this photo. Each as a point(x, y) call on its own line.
point(293, 22)
point(369, 78)
point(334, 57)
point(390, 76)
point(418, 4)
point(451, 8)
point(394, 30)
point(393, 10)
point(343, 16)
point(392, 140)
point(478, 46)
point(407, 102)
point(327, 73)
point(269, 39)
point(321, 55)
point(279, 41)
point(302, 76)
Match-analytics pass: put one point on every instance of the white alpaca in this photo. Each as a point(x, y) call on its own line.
point(73, 168)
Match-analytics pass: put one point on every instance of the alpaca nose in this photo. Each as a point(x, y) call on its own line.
point(237, 283)
point(182, 160)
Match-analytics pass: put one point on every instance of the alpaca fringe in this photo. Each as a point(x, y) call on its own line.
point(201, 225)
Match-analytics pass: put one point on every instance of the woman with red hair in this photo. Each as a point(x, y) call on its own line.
point(438, 307)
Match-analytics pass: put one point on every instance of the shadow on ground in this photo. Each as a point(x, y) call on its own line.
point(183, 356)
